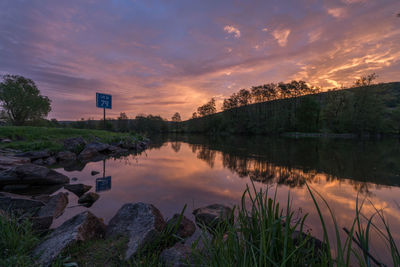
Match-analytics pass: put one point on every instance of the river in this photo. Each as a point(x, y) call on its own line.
point(200, 170)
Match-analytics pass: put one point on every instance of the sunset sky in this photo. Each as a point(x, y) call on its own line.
point(160, 57)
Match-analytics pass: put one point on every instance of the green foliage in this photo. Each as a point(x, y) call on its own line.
point(17, 240)
point(297, 107)
point(22, 101)
point(37, 138)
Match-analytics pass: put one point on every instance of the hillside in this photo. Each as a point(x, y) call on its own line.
point(361, 110)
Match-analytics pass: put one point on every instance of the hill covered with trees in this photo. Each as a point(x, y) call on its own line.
point(299, 107)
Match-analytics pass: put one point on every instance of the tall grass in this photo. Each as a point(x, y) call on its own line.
point(264, 234)
point(17, 239)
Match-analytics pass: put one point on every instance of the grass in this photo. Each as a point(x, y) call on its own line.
point(28, 138)
point(17, 239)
point(263, 234)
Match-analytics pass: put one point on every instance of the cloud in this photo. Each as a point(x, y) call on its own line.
point(337, 12)
point(281, 36)
point(231, 29)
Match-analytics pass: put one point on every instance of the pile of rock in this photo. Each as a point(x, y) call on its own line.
point(77, 149)
point(140, 223)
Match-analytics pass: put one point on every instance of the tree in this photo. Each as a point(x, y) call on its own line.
point(194, 115)
point(176, 117)
point(123, 123)
point(22, 101)
point(366, 80)
point(207, 109)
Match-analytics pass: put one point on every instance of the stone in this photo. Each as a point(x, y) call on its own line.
point(33, 155)
point(19, 204)
point(82, 227)
point(88, 198)
point(199, 240)
point(74, 179)
point(38, 161)
point(66, 156)
point(186, 227)
point(176, 256)
point(88, 153)
point(212, 215)
point(10, 160)
point(6, 141)
point(50, 161)
point(41, 224)
point(113, 149)
point(93, 173)
point(141, 223)
point(31, 174)
point(75, 144)
point(100, 147)
point(78, 189)
point(55, 206)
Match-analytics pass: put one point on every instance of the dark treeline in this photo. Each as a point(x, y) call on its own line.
point(289, 162)
point(297, 107)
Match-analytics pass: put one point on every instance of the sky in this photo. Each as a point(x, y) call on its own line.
point(162, 57)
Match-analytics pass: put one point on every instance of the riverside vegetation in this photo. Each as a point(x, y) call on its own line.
point(258, 232)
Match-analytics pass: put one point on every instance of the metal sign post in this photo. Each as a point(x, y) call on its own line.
point(104, 101)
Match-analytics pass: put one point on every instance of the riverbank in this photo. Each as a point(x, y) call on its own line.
point(26, 138)
point(259, 233)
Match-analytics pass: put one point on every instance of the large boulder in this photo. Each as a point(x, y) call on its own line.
point(66, 156)
point(78, 189)
point(141, 223)
point(88, 153)
point(10, 160)
point(75, 144)
point(212, 215)
point(88, 199)
point(82, 227)
point(34, 155)
point(31, 174)
point(19, 204)
point(55, 206)
point(186, 227)
point(176, 256)
point(100, 147)
point(50, 161)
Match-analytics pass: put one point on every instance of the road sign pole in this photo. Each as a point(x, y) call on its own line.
point(104, 118)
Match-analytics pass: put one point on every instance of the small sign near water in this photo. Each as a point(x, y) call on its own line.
point(103, 184)
point(103, 101)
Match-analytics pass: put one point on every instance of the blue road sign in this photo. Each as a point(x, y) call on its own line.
point(103, 184)
point(103, 101)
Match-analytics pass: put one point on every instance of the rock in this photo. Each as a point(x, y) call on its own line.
point(32, 190)
point(113, 149)
point(75, 144)
point(31, 174)
point(50, 161)
point(176, 256)
point(38, 162)
point(100, 147)
point(19, 204)
point(198, 240)
point(212, 215)
point(74, 179)
point(41, 224)
point(186, 227)
point(88, 198)
point(141, 223)
point(33, 155)
point(82, 227)
point(319, 246)
point(6, 141)
point(9, 160)
point(93, 173)
point(88, 153)
point(55, 206)
point(78, 189)
point(66, 156)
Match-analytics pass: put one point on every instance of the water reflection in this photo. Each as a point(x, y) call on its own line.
point(198, 171)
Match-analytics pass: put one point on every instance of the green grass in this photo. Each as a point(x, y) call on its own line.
point(28, 138)
point(261, 235)
point(17, 240)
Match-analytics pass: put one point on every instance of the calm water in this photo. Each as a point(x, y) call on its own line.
point(197, 171)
